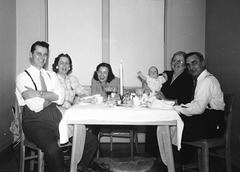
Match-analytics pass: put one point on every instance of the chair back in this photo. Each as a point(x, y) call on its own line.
point(18, 112)
point(228, 113)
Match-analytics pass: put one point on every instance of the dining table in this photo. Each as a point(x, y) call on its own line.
point(169, 130)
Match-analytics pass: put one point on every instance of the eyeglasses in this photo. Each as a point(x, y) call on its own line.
point(178, 61)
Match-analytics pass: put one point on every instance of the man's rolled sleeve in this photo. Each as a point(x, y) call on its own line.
point(34, 104)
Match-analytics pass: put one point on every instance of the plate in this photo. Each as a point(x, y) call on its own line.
point(95, 99)
point(83, 103)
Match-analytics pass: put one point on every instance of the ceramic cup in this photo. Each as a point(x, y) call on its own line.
point(136, 101)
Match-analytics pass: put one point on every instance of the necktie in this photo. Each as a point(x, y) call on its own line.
point(194, 87)
point(43, 84)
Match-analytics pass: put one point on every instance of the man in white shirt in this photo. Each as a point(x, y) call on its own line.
point(203, 117)
point(40, 116)
point(38, 91)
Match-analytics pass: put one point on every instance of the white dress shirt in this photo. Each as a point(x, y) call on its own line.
point(52, 83)
point(208, 95)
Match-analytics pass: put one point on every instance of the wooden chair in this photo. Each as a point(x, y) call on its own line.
point(205, 144)
point(35, 152)
point(128, 132)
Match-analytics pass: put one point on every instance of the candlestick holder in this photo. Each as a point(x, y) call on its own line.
point(121, 98)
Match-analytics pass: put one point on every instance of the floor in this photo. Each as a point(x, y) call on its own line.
point(9, 159)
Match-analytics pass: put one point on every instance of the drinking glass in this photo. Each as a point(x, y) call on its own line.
point(108, 91)
point(113, 92)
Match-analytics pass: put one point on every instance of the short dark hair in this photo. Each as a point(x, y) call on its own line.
point(199, 55)
point(55, 64)
point(39, 43)
point(110, 77)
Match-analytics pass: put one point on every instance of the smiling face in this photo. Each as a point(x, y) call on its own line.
point(39, 56)
point(153, 72)
point(102, 74)
point(178, 64)
point(195, 65)
point(63, 65)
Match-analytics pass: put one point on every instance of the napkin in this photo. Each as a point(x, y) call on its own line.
point(97, 98)
point(162, 104)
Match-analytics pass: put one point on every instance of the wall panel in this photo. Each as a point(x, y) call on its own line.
point(75, 28)
point(135, 35)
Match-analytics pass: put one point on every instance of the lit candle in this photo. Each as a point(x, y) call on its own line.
point(121, 78)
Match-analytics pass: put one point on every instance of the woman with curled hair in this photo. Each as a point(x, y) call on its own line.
point(73, 90)
point(104, 78)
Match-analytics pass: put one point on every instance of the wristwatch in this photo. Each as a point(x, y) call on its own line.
point(41, 93)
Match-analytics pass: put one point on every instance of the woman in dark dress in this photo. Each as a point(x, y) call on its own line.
point(178, 87)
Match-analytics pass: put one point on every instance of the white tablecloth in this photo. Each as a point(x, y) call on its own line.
point(103, 114)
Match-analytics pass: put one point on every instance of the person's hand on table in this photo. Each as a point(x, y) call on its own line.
point(77, 98)
point(178, 108)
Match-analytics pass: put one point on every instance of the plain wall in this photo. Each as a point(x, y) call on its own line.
point(31, 27)
point(135, 32)
point(7, 68)
point(185, 27)
point(223, 56)
point(136, 37)
point(80, 37)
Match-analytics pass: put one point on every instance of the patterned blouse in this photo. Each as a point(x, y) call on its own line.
point(72, 89)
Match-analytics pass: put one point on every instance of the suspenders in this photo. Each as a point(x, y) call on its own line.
point(33, 80)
